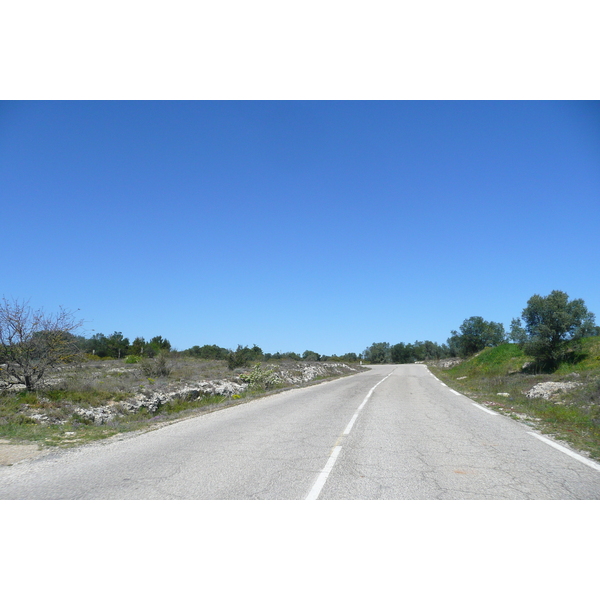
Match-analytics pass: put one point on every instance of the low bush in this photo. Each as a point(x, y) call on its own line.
point(258, 377)
point(133, 359)
point(159, 366)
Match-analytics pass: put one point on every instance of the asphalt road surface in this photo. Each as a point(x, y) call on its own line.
point(394, 432)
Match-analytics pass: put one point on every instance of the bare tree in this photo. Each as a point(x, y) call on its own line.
point(32, 342)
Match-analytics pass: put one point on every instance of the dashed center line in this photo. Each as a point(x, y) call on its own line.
point(315, 491)
point(323, 475)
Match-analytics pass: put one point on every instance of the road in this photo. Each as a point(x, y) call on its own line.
point(394, 432)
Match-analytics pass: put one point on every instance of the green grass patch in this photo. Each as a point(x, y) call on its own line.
point(500, 360)
point(573, 416)
point(11, 402)
point(585, 356)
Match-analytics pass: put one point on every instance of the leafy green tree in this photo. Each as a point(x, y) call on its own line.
point(552, 323)
point(208, 352)
point(157, 345)
point(118, 346)
point(98, 345)
point(282, 356)
point(475, 335)
point(427, 350)
point(517, 334)
point(453, 344)
point(310, 355)
point(418, 351)
point(378, 353)
point(243, 356)
point(401, 353)
point(138, 346)
point(256, 353)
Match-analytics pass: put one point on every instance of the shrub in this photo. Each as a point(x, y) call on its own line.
point(133, 359)
point(242, 356)
point(159, 366)
point(258, 377)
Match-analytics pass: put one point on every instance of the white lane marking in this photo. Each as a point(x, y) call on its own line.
point(349, 426)
point(324, 474)
point(364, 401)
point(459, 394)
point(369, 394)
point(487, 410)
point(572, 454)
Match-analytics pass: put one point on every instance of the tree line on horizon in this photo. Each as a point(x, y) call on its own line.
point(549, 331)
point(118, 346)
point(31, 341)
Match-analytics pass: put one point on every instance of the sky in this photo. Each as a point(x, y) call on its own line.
point(325, 225)
point(295, 225)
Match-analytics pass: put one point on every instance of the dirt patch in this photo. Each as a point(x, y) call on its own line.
point(14, 453)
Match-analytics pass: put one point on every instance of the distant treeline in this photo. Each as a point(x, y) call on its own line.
point(475, 334)
point(256, 354)
point(552, 326)
point(118, 346)
point(383, 352)
point(551, 323)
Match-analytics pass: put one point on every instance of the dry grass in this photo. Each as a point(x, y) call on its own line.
point(62, 413)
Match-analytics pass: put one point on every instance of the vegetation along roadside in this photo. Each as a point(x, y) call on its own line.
point(97, 399)
point(58, 388)
point(563, 402)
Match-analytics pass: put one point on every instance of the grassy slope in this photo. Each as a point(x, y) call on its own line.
point(572, 416)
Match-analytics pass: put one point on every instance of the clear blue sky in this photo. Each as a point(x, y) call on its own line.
point(298, 225)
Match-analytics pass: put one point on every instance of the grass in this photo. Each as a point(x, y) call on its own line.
point(492, 362)
point(572, 416)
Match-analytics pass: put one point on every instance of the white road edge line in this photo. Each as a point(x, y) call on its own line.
point(487, 410)
point(324, 474)
point(572, 454)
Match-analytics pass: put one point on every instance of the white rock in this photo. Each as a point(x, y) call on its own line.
point(547, 388)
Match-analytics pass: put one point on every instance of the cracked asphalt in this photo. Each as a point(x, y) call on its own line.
point(413, 439)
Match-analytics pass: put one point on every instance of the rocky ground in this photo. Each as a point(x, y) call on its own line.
point(104, 393)
point(269, 377)
point(549, 389)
